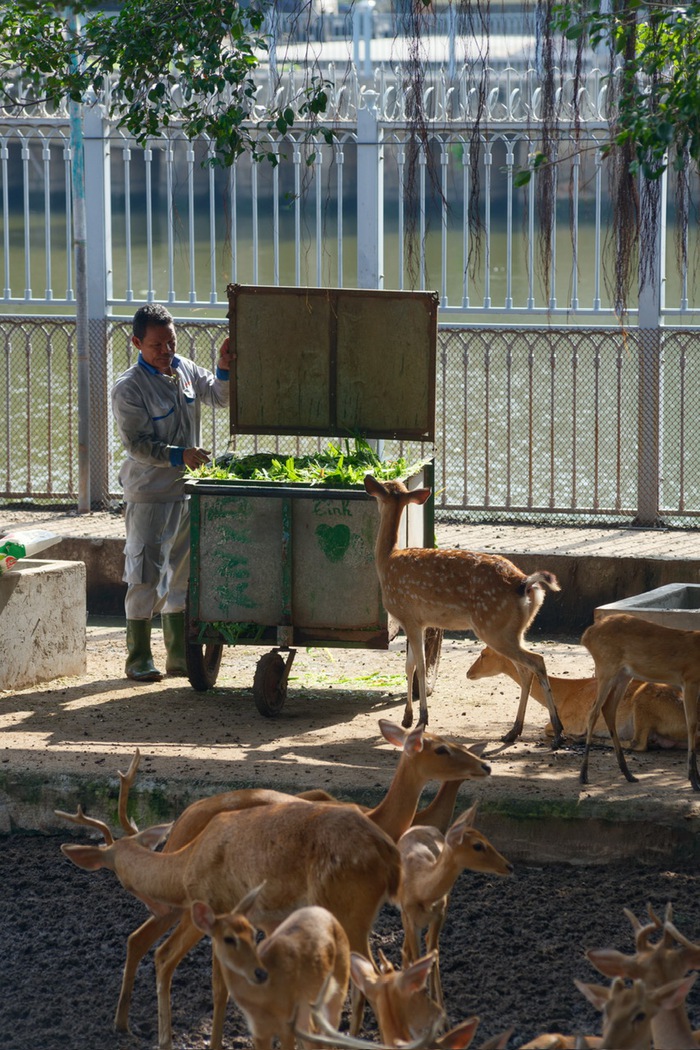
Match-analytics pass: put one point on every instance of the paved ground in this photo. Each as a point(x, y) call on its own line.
point(63, 741)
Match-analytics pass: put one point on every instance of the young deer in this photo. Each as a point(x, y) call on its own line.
point(649, 713)
point(670, 958)
point(425, 757)
point(275, 983)
point(431, 863)
point(628, 1010)
point(457, 590)
point(624, 647)
point(304, 852)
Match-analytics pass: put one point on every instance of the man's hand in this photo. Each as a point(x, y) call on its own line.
point(226, 355)
point(195, 457)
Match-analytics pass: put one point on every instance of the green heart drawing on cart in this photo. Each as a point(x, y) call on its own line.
point(333, 540)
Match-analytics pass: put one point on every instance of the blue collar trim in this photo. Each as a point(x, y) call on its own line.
point(151, 369)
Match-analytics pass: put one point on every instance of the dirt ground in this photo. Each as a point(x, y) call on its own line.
point(511, 947)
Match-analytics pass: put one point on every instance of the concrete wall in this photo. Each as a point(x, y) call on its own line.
point(42, 622)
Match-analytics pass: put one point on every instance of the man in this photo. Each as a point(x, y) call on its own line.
point(157, 406)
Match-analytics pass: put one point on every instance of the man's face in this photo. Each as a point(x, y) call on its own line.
point(157, 346)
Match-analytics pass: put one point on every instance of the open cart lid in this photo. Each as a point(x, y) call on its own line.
point(333, 362)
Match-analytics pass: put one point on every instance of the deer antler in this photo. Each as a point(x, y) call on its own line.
point(330, 1037)
point(127, 780)
point(88, 822)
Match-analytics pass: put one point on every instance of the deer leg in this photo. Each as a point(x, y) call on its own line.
point(168, 956)
point(407, 720)
point(219, 994)
point(432, 943)
point(604, 687)
point(137, 945)
point(610, 715)
point(525, 682)
point(691, 690)
point(416, 648)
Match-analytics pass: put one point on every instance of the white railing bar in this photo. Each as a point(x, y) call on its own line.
point(233, 196)
point(510, 163)
point(27, 242)
point(444, 162)
point(170, 217)
point(67, 156)
point(297, 212)
point(190, 223)
point(126, 156)
point(488, 160)
point(422, 165)
point(4, 157)
point(256, 230)
point(46, 177)
point(466, 160)
point(339, 162)
point(148, 157)
point(211, 153)
point(401, 165)
point(276, 218)
point(574, 230)
point(531, 233)
point(597, 236)
point(318, 182)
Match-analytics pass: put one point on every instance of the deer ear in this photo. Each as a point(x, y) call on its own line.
point(203, 917)
point(415, 976)
point(460, 1037)
point(91, 858)
point(419, 495)
point(612, 963)
point(362, 972)
point(392, 733)
point(597, 994)
point(152, 837)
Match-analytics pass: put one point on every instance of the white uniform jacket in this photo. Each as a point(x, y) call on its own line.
point(158, 417)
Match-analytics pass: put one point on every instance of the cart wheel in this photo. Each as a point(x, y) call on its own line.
point(270, 684)
point(433, 648)
point(203, 663)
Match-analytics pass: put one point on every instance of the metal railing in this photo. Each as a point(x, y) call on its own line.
point(535, 420)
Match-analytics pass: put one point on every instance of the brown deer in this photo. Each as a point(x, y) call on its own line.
point(431, 863)
point(457, 590)
point(649, 713)
point(624, 647)
point(424, 757)
point(305, 963)
point(628, 1010)
point(304, 852)
point(656, 964)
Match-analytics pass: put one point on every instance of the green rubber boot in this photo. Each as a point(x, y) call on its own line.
point(139, 662)
point(174, 638)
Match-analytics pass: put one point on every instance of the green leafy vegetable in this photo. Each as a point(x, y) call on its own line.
point(334, 467)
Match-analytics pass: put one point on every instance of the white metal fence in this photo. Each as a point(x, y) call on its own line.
point(527, 410)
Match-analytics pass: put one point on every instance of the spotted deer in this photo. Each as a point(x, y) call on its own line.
point(457, 590)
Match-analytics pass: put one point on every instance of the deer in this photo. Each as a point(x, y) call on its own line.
point(304, 852)
point(305, 963)
point(457, 590)
point(424, 757)
point(624, 647)
point(649, 712)
point(629, 1010)
point(406, 1014)
point(656, 964)
point(431, 863)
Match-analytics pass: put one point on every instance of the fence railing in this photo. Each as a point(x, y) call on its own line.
point(532, 423)
point(534, 420)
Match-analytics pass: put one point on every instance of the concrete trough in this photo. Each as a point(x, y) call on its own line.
point(675, 605)
point(42, 622)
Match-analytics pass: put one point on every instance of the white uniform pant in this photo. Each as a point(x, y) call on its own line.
point(156, 558)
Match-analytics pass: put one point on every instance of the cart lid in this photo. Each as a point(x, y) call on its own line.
point(333, 362)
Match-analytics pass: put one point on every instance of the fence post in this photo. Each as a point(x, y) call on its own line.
point(99, 291)
point(651, 302)
point(370, 195)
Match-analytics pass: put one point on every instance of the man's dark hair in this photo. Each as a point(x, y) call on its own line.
point(151, 313)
